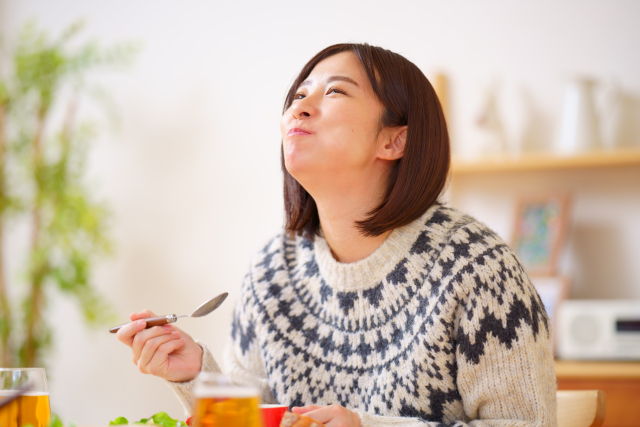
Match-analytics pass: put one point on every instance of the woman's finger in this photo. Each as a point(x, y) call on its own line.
point(304, 409)
point(144, 314)
point(151, 346)
point(159, 364)
point(334, 415)
point(323, 414)
point(141, 338)
point(127, 333)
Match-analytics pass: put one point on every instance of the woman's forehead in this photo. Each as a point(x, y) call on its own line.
point(343, 64)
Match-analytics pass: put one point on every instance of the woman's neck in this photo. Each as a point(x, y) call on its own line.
point(338, 221)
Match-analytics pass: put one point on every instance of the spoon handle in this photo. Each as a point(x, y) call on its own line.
point(151, 322)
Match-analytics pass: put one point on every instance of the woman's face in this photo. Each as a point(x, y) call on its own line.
point(330, 133)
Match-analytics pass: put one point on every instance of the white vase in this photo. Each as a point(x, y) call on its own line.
point(611, 115)
point(580, 131)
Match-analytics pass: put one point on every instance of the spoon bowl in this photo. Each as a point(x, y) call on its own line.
point(209, 306)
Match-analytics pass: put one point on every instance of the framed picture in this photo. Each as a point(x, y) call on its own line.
point(552, 291)
point(539, 231)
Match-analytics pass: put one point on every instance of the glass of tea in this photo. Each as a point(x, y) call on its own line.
point(32, 406)
point(222, 404)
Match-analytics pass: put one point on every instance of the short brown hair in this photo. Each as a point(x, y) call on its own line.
point(418, 178)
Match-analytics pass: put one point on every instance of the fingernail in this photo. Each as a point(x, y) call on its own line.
point(141, 323)
point(176, 334)
point(167, 328)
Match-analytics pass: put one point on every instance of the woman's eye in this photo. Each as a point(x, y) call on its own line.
point(335, 90)
point(298, 95)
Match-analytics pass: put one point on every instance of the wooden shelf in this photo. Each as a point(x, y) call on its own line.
point(620, 382)
point(546, 161)
point(588, 369)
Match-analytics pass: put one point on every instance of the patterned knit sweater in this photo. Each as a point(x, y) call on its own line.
point(439, 326)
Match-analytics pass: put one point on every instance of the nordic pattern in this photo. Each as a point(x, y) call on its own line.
point(453, 331)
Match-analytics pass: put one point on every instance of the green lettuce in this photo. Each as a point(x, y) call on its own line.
point(159, 419)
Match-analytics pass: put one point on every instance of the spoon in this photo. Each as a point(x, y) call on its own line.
point(201, 311)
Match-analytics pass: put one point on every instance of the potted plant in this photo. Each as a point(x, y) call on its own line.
point(44, 142)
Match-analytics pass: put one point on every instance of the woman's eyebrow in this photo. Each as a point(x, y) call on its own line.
point(333, 79)
point(342, 79)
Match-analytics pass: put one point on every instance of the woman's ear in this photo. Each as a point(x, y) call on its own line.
point(394, 143)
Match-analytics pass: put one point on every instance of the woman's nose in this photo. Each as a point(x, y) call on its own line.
point(303, 108)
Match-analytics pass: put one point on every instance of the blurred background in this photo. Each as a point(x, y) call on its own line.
point(191, 170)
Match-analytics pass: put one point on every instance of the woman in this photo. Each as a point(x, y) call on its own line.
point(376, 306)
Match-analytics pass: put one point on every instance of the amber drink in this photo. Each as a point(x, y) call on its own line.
point(32, 407)
point(221, 404)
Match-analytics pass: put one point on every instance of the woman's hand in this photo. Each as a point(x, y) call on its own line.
point(330, 416)
point(164, 351)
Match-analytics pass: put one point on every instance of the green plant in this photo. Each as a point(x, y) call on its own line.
point(43, 154)
point(159, 419)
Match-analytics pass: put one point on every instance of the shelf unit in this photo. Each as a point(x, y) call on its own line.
point(570, 369)
point(546, 162)
point(619, 380)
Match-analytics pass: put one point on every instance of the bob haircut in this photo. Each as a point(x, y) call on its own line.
point(417, 179)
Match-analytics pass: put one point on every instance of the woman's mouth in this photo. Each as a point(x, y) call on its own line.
point(297, 132)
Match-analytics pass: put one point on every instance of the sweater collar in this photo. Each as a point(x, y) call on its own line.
point(368, 272)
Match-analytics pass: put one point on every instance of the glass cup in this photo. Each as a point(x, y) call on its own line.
point(221, 404)
point(32, 407)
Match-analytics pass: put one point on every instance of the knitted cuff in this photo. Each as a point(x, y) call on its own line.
point(184, 390)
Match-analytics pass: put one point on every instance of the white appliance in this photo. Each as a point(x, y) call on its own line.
point(598, 329)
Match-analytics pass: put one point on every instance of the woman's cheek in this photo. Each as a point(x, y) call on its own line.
point(350, 149)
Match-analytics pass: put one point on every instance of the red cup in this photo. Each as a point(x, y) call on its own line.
point(272, 414)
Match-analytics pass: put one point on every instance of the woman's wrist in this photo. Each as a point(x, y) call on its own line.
point(207, 362)
point(198, 368)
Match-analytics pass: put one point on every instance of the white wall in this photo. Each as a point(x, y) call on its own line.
point(193, 174)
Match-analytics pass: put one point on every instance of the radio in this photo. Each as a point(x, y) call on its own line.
point(598, 330)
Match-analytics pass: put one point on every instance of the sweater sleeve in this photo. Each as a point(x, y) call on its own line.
point(504, 352)
point(505, 372)
point(184, 390)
